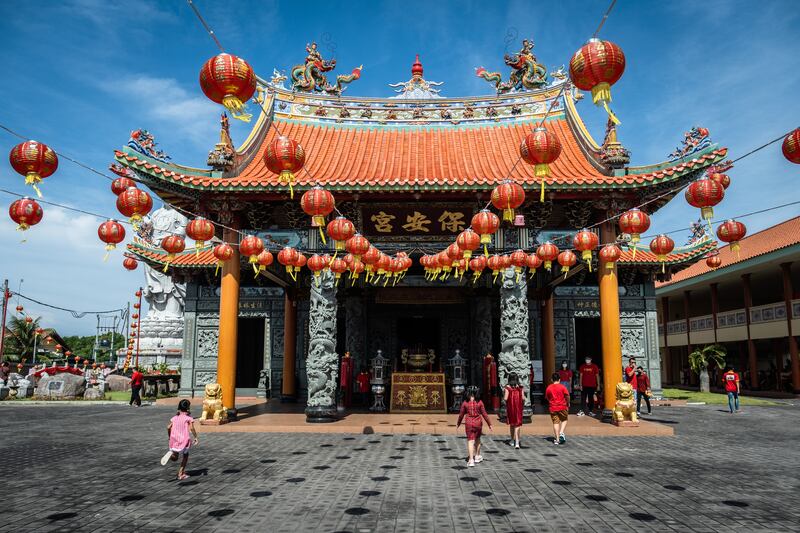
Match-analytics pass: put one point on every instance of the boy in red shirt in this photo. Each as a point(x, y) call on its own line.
point(557, 397)
point(731, 381)
point(641, 384)
point(589, 373)
point(136, 386)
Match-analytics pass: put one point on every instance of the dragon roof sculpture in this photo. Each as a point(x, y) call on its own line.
point(526, 72)
point(310, 76)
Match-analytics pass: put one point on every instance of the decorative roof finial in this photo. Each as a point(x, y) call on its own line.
point(416, 68)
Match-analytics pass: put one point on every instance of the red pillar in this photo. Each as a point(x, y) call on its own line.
point(752, 355)
point(788, 290)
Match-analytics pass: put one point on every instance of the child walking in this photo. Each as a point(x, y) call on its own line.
point(182, 435)
point(475, 412)
point(513, 396)
point(557, 397)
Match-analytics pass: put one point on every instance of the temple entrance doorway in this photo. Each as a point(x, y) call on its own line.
point(587, 342)
point(249, 354)
point(418, 334)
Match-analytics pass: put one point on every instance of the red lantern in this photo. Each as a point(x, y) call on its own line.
point(585, 241)
point(299, 263)
point(713, 261)
point(508, 196)
point(172, 244)
point(595, 67)
point(287, 257)
point(370, 258)
point(540, 148)
point(28, 320)
point(135, 204)
point(357, 245)
point(485, 223)
point(383, 264)
point(609, 254)
point(223, 252)
point(112, 233)
point(340, 230)
point(454, 252)
point(722, 179)
point(662, 245)
point(264, 260)
point(229, 80)
point(20, 309)
point(519, 259)
point(634, 222)
point(318, 263)
point(533, 262)
point(477, 265)
point(469, 241)
point(547, 252)
point(567, 260)
point(130, 263)
point(251, 246)
point(35, 161)
point(732, 232)
point(318, 204)
point(285, 157)
point(791, 146)
point(497, 264)
point(338, 267)
point(200, 230)
point(121, 184)
point(356, 268)
point(25, 212)
point(705, 194)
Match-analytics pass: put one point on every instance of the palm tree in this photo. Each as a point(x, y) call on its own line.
point(21, 335)
point(702, 357)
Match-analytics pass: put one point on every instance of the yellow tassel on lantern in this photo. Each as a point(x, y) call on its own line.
point(237, 108)
point(494, 277)
point(32, 179)
point(198, 245)
point(548, 265)
point(216, 272)
point(287, 178)
point(601, 94)
point(170, 257)
point(586, 255)
point(735, 247)
point(533, 271)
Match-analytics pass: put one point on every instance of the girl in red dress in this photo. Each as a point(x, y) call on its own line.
point(475, 413)
point(514, 398)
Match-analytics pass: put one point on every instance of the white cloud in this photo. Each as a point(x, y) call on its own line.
point(165, 104)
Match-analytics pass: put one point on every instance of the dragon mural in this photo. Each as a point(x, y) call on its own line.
point(310, 76)
point(526, 72)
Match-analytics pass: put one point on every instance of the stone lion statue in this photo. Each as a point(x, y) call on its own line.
point(625, 409)
point(212, 403)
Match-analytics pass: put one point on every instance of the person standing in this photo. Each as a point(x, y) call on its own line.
point(589, 373)
point(362, 380)
point(475, 414)
point(629, 375)
point(565, 376)
point(731, 381)
point(641, 384)
point(513, 396)
point(557, 397)
point(346, 379)
point(137, 378)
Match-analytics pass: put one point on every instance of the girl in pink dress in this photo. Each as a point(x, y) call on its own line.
point(475, 413)
point(182, 435)
point(513, 396)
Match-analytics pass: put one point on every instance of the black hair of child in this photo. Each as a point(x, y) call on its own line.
point(183, 406)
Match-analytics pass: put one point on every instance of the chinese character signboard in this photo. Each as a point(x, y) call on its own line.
point(415, 220)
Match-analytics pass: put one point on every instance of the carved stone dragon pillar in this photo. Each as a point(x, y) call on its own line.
point(322, 361)
point(515, 352)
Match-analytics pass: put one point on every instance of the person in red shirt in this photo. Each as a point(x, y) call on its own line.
point(362, 380)
point(565, 376)
point(641, 384)
point(475, 413)
point(557, 397)
point(731, 381)
point(589, 373)
point(136, 387)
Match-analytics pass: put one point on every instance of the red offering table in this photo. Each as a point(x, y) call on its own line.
point(418, 392)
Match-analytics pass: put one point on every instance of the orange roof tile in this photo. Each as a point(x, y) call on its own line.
point(765, 241)
point(680, 255)
point(342, 156)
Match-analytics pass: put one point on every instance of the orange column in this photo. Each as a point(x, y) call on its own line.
point(548, 338)
point(228, 323)
point(787, 296)
point(752, 355)
point(288, 392)
point(609, 323)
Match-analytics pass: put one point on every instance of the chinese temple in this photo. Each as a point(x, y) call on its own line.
point(410, 171)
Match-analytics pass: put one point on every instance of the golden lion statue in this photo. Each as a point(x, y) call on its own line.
point(212, 403)
point(625, 409)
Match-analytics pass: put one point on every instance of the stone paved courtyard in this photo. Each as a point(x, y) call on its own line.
point(95, 468)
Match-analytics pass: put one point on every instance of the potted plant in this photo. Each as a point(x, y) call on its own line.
point(702, 357)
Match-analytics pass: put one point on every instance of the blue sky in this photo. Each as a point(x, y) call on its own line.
point(81, 74)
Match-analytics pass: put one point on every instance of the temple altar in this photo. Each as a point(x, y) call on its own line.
point(418, 392)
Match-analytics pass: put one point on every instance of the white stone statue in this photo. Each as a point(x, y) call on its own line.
point(164, 297)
